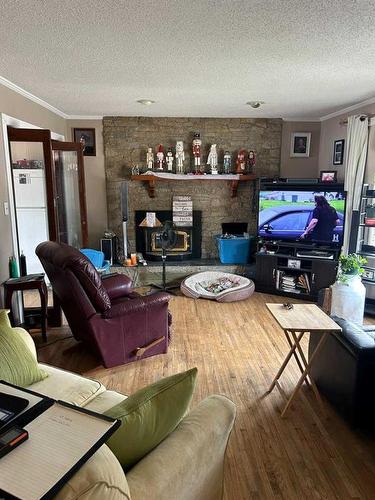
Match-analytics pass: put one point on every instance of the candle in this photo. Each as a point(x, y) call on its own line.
point(133, 258)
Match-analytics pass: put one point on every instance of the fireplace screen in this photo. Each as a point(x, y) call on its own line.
point(182, 245)
point(189, 238)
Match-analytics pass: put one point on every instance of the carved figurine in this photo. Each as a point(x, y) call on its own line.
point(251, 160)
point(241, 162)
point(169, 160)
point(160, 161)
point(227, 163)
point(180, 157)
point(150, 159)
point(135, 170)
point(197, 144)
point(212, 159)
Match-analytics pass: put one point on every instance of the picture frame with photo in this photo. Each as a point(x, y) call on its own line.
point(328, 176)
point(368, 274)
point(338, 152)
point(86, 136)
point(300, 144)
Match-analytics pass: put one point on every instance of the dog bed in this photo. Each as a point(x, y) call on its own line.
point(219, 286)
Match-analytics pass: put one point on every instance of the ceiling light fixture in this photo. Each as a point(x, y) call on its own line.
point(146, 102)
point(255, 104)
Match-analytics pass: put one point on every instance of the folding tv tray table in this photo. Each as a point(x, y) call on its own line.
point(295, 322)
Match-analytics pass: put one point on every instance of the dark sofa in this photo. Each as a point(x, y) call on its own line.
point(344, 371)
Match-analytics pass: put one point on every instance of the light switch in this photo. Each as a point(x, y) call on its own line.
point(6, 208)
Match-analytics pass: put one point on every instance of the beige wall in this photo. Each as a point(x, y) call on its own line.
point(94, 181)
point(332, 130)
point(300, 167)
point(19, 107)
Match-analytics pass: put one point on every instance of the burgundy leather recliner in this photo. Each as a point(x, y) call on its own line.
point(117, 323)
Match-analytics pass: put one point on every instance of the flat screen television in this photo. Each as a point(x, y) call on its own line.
point(313, 215)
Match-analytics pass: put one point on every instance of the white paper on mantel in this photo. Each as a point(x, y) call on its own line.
point(58, 439)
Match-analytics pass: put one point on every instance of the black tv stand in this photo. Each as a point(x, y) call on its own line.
point(295, 269)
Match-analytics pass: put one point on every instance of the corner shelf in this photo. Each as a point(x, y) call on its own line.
point(234, 179)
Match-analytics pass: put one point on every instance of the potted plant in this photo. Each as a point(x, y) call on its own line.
point(350, 266)
point(348, 292)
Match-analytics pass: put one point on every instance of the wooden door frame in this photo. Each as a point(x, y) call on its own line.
point(78, 147)
point(25, 134)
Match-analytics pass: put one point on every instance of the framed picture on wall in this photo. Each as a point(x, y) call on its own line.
point(86, 136)
point(368, 274)
point(338, 152)
point(328, 176)
point(300, 144)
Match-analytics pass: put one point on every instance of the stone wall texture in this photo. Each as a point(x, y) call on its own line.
point(126, 140)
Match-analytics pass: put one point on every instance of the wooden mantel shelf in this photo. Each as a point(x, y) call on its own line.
point(152, 179)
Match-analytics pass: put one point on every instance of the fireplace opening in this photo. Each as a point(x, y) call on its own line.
point(189, 239)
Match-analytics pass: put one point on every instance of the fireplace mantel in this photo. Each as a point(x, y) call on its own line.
point(152, 178)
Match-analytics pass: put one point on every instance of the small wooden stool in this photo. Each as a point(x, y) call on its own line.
point(29, 282)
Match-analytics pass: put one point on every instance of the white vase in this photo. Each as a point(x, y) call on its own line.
point(348, 299)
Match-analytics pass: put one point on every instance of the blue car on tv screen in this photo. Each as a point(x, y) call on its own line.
point(289, 222)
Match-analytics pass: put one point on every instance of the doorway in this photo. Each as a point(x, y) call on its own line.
point(46, 199)
point(28, 170)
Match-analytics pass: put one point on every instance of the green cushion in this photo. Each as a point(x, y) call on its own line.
point(149, 416)
point(17, 364)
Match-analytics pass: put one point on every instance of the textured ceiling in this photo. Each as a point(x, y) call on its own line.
point(304, 58)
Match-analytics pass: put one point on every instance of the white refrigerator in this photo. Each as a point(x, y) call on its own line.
point(31, 209)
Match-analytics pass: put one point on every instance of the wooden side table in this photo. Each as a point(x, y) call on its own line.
point(295, 322)
point(29, 282)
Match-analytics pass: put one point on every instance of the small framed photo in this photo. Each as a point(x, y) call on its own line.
point(300, 144)
point(368, 274)
point(328, 176)
point(294, 264)
point(338, 152)
point(86, 136)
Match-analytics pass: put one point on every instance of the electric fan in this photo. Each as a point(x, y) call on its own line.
point(167, 239)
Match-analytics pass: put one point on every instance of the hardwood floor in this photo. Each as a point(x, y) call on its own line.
point(238, 348)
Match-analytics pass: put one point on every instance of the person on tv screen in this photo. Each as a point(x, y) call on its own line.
point(323, 222)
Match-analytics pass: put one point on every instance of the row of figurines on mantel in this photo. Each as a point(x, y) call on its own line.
point(174, 163)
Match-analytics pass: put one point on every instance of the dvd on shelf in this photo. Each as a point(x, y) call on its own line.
point(293, 283)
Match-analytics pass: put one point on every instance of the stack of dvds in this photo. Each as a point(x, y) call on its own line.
point(293, 283)
point(288, 283)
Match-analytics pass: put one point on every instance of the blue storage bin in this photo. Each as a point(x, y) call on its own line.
point(234, 250)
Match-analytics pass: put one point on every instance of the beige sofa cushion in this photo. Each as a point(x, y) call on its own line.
point(105, 401)
point(64, 385)
point(188, 464)
point(67, 386)
point(99, 478)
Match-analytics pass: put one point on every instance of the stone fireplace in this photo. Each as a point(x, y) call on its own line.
point(126, 140)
